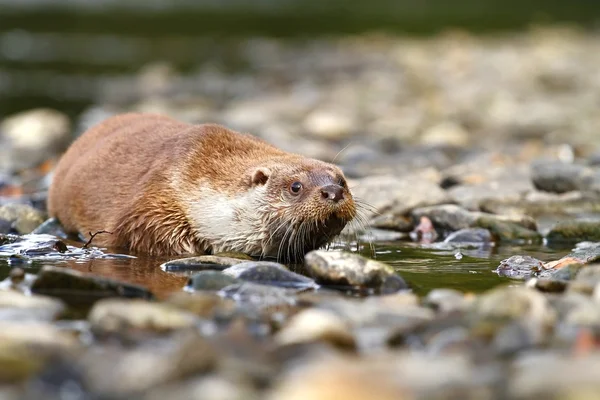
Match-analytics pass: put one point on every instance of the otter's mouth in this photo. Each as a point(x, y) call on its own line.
point(306, 236)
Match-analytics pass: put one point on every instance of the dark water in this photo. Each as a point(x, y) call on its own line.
point(424, 268)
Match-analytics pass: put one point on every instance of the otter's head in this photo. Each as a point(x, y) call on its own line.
point(309, 203)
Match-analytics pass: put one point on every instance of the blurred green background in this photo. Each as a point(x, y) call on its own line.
point(57, 53)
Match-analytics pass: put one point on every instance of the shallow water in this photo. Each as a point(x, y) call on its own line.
point(424, 267)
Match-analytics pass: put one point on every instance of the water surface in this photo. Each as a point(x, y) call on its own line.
point(424, 267)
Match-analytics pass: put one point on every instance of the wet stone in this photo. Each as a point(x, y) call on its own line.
point(586, 252)
point(313, 325)
point(200, 263)
point(269, 273)
point(450, 218)
point(23, 218)
point(470, 235)
point(574, 231)
point(122, 316)
point(210, 280)
point(253, 297)
point(75, 288)
point(520, 267)
point(507, 231)
point(51, 227)
point(392, 222)
point(345, 270)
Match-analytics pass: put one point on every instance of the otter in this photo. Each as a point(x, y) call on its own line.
point(165, 187)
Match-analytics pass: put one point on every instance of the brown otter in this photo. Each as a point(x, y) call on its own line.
point(165, 187)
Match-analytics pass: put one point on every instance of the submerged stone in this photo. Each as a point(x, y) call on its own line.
point(350, 270)
point(75, 288)
point(210, 280)
point(269, 273)
point(470, 235)
point(200, 263)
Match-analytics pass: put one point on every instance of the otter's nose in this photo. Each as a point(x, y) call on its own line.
point(332, 192)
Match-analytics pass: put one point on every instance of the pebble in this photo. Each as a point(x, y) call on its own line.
point(269, 273)
point(201, 263)
point(75, 288)
point(316, 325)
point(31, 137)
point(559, 177)
point(574, 231)
point(120, 316)
point(23, 219)
point(349, 270)
point(16, 306)
point(210, 280)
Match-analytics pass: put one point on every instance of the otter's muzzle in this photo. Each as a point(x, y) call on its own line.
point(334, 193)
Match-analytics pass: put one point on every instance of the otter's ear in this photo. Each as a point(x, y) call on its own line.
point(259, 176)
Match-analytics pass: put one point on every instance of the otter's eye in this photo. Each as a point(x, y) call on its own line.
point(342, 182)
point(296, 187)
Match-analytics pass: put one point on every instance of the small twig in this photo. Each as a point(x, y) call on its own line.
point(92, 236)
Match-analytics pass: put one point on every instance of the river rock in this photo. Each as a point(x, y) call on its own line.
point(330, 124)
point(450, 218)
point(22, 218)
point(446, 301)
point(27, 347)
point(32, 137)
point(574, 231)
point(560, 177)
point(520, 267)
point(350, 270)
point(313, 325)
point(18, 306)
point(396, 196)
point(201, 263)
point(213, 387)
point(252, 297)
point(446, 134)
point(73, 287)
point(203, 304)
point(113, 372)
point(572, 377)
point(269, 273)
point(210, 280)
point(500, 307)
point(470, 236)
point(119, 315)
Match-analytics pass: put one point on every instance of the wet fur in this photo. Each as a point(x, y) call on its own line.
point(165, 187)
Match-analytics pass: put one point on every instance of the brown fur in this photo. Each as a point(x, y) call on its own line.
point(157, 184)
